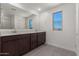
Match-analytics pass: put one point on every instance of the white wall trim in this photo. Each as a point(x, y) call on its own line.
point(49, 43)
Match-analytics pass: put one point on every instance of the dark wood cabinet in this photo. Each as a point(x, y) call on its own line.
point(9, 45)
point(23, 45)
point(16, 45)
point(0, 45)
point(33, 40)
point(41, 38)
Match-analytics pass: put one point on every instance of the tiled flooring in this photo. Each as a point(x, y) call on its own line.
point(48, 50)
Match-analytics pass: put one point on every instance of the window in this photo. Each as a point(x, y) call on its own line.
point(30, 23)
point(57, 21)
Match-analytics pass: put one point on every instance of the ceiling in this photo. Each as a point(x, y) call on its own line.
point(9, 9)
point(36, 6)
point(27, 9)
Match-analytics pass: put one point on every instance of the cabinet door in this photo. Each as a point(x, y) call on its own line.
point(0, 46)
point(9, 46)
point(41, 38)
point(16, 45)
point(33, 40)
point(23, 44)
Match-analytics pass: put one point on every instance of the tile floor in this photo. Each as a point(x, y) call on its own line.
point(48, 50)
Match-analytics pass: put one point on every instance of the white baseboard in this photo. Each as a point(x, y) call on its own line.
point(60, 46)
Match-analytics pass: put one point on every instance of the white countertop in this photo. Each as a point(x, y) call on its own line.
point(9, 34)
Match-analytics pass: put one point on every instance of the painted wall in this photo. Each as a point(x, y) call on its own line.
point(77, 29)
point(66, 37)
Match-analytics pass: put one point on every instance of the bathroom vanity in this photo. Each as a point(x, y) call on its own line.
point(19, 44)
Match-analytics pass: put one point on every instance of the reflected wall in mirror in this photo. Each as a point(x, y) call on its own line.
point(0, 14)
point(13, 17)
point(29, 21)
point(7, 17)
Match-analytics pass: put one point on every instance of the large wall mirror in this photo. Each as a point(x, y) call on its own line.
point(6, 17)
point(30, 22)
point(16, 18)
point(12, 17)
